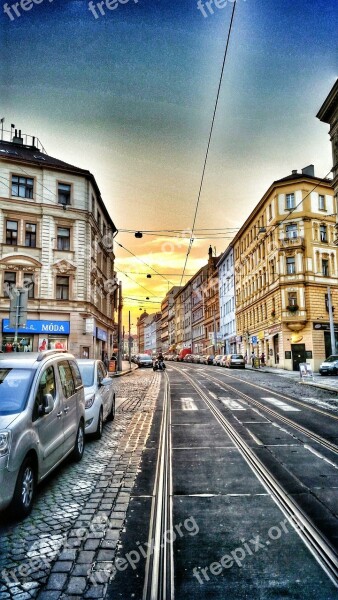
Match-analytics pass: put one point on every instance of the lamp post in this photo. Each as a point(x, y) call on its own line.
point(119, 330)
point(332, 335)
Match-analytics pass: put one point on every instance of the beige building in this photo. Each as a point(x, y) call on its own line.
point(56, 239)
point(285, 259)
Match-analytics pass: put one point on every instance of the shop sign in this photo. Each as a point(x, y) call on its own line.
point(90, 326)
point(324, 326)
point(275, 329)
point(260, 335)
point(46, 327)
point(101, 335)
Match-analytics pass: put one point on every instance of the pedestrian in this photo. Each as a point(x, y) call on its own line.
point(253, 359)
point(263, 359)
point(106, 360)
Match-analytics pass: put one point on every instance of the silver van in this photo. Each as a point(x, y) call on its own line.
point(42, 416)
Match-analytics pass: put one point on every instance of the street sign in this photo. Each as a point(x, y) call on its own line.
point(18, 308)
point(254, 339)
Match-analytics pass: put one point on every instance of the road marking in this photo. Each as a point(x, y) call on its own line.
point(213, 395)
point(188, 404)
point(232, 404)
point(282, 405)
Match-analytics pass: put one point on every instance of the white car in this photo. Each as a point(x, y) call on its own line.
point(99, 395)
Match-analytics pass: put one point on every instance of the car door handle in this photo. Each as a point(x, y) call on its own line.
point(66, 409)
point(59, 415)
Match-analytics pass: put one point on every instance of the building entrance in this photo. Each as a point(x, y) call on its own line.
point(298, 355)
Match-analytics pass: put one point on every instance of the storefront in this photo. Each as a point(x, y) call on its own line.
point(36, 336)
point(101, 343)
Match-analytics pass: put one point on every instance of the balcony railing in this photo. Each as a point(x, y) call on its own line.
point(292, 242)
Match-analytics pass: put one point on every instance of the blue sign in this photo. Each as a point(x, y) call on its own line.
point(254, 339)
point(45, 327)
point(101, 335)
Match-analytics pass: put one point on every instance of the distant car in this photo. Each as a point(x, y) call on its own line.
point(197, 358)
point(144, 360)
point(209, 359)
point(234, 361)
point(217, 359)
point(188, 358)
point(329, 366)
point(42, 420)
point(99, 395)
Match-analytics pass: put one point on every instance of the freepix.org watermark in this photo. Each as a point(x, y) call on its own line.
point(242, 552)
point(207, 8)
point(98, 9)
point(19, 8)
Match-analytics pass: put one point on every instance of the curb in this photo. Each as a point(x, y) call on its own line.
point(311, 383)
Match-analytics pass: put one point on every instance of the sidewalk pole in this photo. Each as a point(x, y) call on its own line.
point(119, 330)
point(333, 340)
point(129, 341)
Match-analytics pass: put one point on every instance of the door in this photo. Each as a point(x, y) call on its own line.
point(298, 355)
point(70, 420)
point(103, 390)
point(49, 427)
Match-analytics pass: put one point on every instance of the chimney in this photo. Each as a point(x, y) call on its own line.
point(17, 139)
point(309, 170)
point(294, 172)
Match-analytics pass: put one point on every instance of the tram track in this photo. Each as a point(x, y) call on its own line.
point(159, 574)
point(323, 551)
point(285, 420)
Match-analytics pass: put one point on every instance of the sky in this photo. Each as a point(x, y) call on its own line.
point(130, 96)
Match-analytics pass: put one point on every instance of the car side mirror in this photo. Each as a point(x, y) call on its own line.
point(106, 381)
point(48, 404)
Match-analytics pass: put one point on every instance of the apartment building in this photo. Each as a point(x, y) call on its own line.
point(328, 113)
point(56, 240)
point(226, 276)
point(168, 316)
point(285, 259)
point(212, 340)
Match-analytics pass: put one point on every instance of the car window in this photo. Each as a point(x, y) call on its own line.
point(15, 385)
point(46, 386)
point(104, 370)
point(66, 378)
point(76, 374)
point(87, 373)
point(332, 358)
point(100, 373)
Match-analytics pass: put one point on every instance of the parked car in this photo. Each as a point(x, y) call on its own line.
point(217, 359)
point(197, 358)
point(144, 360)
point(329, 366)
point(222, 360)
point(183, 353)
point(188, 358)
point(42, 420)
point(209, 359)
point(99, 395)
point(234, 361)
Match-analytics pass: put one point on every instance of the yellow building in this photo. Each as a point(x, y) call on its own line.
point(285, 259)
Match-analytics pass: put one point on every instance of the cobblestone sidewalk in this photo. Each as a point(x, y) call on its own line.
point(66, 548)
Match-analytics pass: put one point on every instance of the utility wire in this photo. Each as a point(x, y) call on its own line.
point(209, 140)
point(146, 264)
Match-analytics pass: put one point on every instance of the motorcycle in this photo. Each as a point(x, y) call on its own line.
point(159, 365)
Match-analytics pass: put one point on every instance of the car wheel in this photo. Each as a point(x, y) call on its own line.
point(99, 430)
point(24, 491)
point(77, 453)
point(111, 415)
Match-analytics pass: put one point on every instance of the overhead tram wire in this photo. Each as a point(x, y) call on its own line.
point(133, 280)
point(142, 261)
point(209, 140)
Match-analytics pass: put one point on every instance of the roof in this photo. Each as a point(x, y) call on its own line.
point(31, 155)
point(329, 106)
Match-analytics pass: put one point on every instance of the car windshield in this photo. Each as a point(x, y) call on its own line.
point(237, 356)
point(143, 356)
point(332, 358)
point(14, 388)
point(87, 373)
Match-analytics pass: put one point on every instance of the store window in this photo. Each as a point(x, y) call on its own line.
point(25, 343)
point(30, 235)
point(12, 233)
point(63, 238)
point(9, 283)
point(62, 288)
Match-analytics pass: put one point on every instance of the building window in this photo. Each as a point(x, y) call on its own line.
point(62, 288)
point(270, 212)
point(290, 265)
point(22, 187)
point(290, 201)
point(325, 267)
point(11, 233)
point(99, 220)
point(29, 284)
point(321, 202)
point(291, 230)
point(9, 283)
point(292, 299)
point(64, 191)
point(63, 238)
point(323, 233)
point(30, 235)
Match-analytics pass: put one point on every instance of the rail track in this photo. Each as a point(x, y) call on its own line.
point(323, 551)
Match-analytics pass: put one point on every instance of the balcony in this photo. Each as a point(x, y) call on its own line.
point(296, 320)
point(292, 242)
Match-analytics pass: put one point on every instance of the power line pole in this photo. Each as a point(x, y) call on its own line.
point(119, 330)
point(332, 334)
point(129, 341)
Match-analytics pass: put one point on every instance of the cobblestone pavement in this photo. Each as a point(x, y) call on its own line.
point(66, 547)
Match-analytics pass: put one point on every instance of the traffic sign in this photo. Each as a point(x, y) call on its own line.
point(254, 339)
